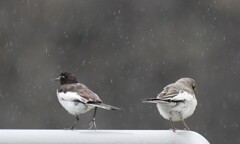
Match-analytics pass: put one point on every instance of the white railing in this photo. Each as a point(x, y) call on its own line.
point(12, 136)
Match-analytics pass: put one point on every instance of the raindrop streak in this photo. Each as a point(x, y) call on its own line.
point(83, 62)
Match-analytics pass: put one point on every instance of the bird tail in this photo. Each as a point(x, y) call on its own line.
point(104, 106)
point(151, 100)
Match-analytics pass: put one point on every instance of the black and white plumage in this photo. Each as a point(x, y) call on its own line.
point(177, 101)
point(77, 98)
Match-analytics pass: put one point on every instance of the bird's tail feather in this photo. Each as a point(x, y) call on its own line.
point(151, 100)
point(105, 106)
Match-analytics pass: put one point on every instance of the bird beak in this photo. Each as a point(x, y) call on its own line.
point(195, 90)
point(57, 79)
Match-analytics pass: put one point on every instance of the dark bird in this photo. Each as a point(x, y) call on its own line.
point(77, 98)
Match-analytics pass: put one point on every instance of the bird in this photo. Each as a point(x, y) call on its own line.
point(177, 101)
point(76, 98)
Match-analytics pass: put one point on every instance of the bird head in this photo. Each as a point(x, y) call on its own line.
point(66, 78)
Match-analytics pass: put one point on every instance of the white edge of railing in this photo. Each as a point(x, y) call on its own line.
point(33, 136)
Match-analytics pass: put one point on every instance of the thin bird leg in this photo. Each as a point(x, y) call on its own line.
point(185, 125)
point(93, 120)
point(75, 122)
point(171, 122)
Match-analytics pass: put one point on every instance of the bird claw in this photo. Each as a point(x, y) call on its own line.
point(186, 129)
point(93, 124)
point(173, 129)
point(73, 126)
point(70, 128)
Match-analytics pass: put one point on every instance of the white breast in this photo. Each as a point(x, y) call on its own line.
point(74, 108)
point(180, 110)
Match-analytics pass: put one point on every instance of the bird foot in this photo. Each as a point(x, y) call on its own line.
point(93, 124)
point(173, 129)
point(72, 126)
point(186, 129)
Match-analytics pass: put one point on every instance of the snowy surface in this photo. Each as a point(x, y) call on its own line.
point(102, 136)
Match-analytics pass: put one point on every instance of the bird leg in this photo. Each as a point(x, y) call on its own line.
point(185, 125)
point(75, 122)
point(93, 120)
point(171, 122)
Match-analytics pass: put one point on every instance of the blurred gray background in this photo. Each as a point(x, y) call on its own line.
point(124, 51)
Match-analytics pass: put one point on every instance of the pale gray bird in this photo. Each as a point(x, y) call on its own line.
point(177, 101)
point(77, 98)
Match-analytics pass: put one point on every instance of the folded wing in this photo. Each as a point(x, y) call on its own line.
point(81, 93)
point(168, 95)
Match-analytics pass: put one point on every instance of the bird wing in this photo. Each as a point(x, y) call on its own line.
point(82, 94)
point(169, 94)
point(79, 92)
point(175, 93)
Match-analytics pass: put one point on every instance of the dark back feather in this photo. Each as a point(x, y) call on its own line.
point(81, 90)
